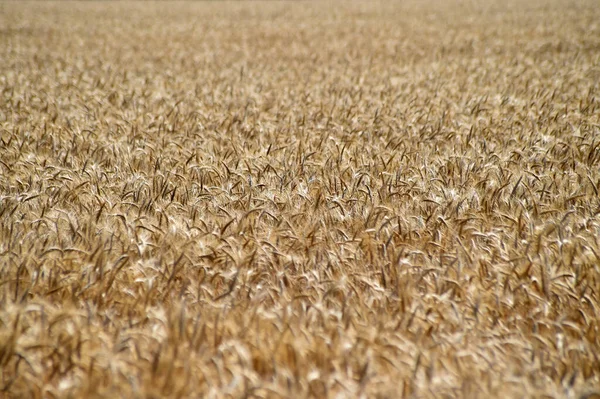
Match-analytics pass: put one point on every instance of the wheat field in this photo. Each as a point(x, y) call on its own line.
point(387, 199)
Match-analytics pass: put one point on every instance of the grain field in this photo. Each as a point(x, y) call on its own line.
point(384, 199)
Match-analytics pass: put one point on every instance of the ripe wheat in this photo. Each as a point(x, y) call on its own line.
point(293, 199)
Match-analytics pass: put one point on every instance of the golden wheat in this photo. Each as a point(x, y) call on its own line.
point(294, 199)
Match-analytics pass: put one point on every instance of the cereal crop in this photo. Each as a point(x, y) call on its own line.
point(288, 199)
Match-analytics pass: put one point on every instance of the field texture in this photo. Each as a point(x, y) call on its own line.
point(300, 199)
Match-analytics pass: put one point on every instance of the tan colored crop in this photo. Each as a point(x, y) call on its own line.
point(300, 199)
